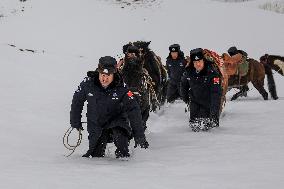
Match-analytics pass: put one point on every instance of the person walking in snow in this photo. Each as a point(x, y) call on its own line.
point(201, 88)
point(175, 65)
point(112, 112)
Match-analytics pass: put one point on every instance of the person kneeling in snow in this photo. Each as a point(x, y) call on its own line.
point(112, 112)
point(201, 88)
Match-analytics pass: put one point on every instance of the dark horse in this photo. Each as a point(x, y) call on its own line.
point(134, 77)
point(152, 63)
point(255, 75)
point(272, 62)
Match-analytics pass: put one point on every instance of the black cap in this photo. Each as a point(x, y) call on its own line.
point(107, 65)
point(196, 54)
point(233, 51)
point(174, 48)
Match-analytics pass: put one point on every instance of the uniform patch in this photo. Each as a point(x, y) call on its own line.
point(216, 80)
point(130, 94)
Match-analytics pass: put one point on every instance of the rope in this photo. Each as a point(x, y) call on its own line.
point(66, 143)
point(149, 84)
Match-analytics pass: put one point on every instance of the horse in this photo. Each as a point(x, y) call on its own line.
point(157, 71)
point(272, 62)
point(134, 77)
point(255, 75)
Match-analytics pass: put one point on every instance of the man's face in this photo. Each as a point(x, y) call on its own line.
point(199, 64)
point(174, 55)
point(105, 79)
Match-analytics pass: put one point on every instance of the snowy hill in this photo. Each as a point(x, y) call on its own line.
point(69, 36)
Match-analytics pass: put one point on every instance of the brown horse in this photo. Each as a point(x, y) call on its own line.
point(255, 75)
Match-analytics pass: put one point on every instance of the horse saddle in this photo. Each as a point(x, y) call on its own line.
point(236, 65)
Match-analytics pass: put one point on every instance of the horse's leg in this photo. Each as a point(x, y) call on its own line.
point(244, 90)
point(145, 116)
point(237, 95)
point(271, 82)
point(259, 86)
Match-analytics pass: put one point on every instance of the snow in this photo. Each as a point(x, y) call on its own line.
point(69, 37)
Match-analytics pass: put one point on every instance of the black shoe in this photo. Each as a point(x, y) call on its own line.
point(88, 154)
point(93, 154)
point(122, 155)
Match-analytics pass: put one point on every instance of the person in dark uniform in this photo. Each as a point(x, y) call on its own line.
point(175, 65)
point(201, 88)
point(112, 112)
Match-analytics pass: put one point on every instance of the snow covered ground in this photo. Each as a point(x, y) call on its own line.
point(69, 36)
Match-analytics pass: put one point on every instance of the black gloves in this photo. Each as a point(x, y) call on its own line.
point(142, 142)
point(77, 126)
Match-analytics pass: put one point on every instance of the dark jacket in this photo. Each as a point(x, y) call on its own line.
point(107, 108)
point(203, 88)
point(175, 68)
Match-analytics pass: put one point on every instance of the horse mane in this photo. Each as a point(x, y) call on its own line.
point(143, 45)
point(276, 57)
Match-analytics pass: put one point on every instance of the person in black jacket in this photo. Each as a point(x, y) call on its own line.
point(175, 65)
point(112, 112)
point(201, 88)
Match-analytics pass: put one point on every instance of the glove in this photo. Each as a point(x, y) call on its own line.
point(77, 126)
point(142, 142)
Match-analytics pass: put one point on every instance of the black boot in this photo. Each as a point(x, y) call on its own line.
point(121, 142)
point(88, 154)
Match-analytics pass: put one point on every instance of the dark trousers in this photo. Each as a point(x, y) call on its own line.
point(198, 111)
point(120, 138)
point(173, 91)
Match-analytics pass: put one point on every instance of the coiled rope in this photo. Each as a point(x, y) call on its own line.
point(66, 143)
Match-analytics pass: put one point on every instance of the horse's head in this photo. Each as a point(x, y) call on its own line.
point(263, 59)
point(133, 62)
point(143, 47)
point(132, 69)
